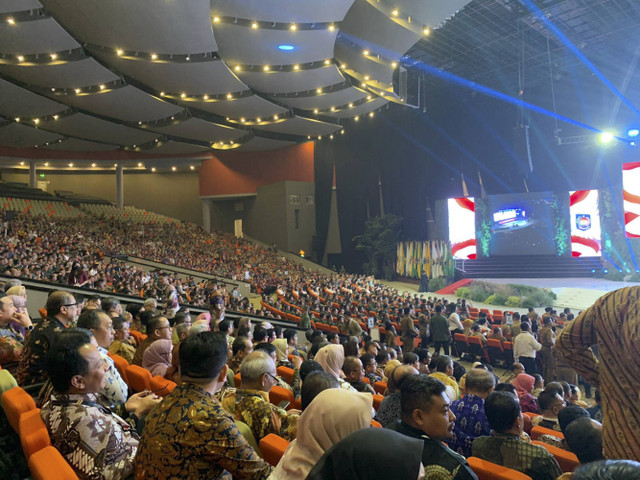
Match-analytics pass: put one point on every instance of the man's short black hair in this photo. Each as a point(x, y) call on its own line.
point(90, 319)
point(331, 336)
point(438, 308)
point(265, 347)
point(109, 303)
point(502, 410)
point(155, 323)
point(525, 327)
point(570, 413)
point(546, 399)
point(505, 387)
point(180, 317)
point(239, 344)
point(584, 439)
point(309, 366)
point(314, 383)
point(418, 392)
point(423, 354)
point(202, 356)
point(133, 309)
point(259, 333)
point(367, 358)
point(368, 345)
point(555, 387)
point(118, 322)
point(410, 358)
point(382, 356)
point(442, 362)
point(56, 300)
point(145, 318)
point(289, 334)
point(64, 361)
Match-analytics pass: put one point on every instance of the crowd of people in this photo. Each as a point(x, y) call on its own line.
point(350, 338)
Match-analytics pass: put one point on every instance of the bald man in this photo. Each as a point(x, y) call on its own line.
point(389, 412)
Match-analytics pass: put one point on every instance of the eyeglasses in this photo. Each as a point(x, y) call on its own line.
point(70, 305)
point(272, 376)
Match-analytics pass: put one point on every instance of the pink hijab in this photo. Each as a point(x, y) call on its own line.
point(524, 384)
point(331, 358)
point(157, 358)
point(331, 416)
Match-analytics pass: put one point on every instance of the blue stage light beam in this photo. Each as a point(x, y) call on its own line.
point(533, 8)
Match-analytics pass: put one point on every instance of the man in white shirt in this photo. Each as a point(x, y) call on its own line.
point(525, 347)
point(455, 325)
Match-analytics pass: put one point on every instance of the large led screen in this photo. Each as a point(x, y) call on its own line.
point(521, 224)
point(631, 197)
point(585, 224)
point(462, 227)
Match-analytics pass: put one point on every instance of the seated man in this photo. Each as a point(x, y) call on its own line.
point(496, 334)
point(444, 373)
point(120, 345)
point(389, 411)
point(11, 340)
point(426, 415)
point(370, 368)
point(550, 403)
point(97, 443)
point(354, 373)
point(189, 435)
point(157, 328)
point(250, 402)
point(471, 421)
point(242, 346)
point(475, 332)
point(584, 438)
point(505, 446)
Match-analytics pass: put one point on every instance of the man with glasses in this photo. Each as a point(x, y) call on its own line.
point(250, 402)
point(158, 328)
point(62, 311)
point(550, 403)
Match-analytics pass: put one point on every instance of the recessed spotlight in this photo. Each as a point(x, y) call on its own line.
point(394, 64)
point(315, 110)
point(327, 62)
point(191, 167)
point(266, 68)
point(365, 53)
point(20, 58)
point(101, 86)
point(154, 56)
point(11, 21)
point(276, 117)
point(426, 31)
point(395, 12)
point(21, 163)
point(332, 27)
point(71, 165)
point(318, 90)
point(366, 77)
point(296, 67)
point(293, 27)
point(229, 96)
point(53, 56)
point(46, 164)
point(93, 165)
point(77, 90)
point(206, 97)
point(17, 119)
point(356, 118)
point(237, 68)
point(216, 19)
point(258, 119)
point(183, 95)
point(173, 169)
point(286, 48)
point(153, 169)
point(162, 94)
point(254, 25)
point(242, 120)
point(120, 52)
point(140, 164)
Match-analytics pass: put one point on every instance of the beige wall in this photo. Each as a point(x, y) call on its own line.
point(172, 194)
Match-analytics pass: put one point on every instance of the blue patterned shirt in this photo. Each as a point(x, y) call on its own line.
point(471, 422)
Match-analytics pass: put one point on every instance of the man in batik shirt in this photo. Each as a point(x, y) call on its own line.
point(11, 340)
point(189, 435)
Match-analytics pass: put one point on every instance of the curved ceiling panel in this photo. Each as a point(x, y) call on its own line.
point(171, 148)
point(9, 6)
point(197, 129)
point(302, 126)
point(90, 128)
point(283, 11)
point(327, 100)
point(377, 102)
point(41, 36)
point(248, 107)
point(71, 75)
point(22, 136)
point(76, 145)
point(19, 102)
point(257, 144)
point(281, 82)
point(161, 27)
point(128, 104)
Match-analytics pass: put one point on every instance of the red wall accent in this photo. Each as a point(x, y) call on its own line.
point(232, 173)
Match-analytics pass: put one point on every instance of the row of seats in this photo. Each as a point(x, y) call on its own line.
point(127, 213)
point(40, 207)
point(495, 352)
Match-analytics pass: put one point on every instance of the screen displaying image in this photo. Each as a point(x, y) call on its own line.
point(585, 223)
point(462, 227)
point(521, 224)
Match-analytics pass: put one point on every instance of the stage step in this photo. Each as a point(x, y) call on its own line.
point(528, 266)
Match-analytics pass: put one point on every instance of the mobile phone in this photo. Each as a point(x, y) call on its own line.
point(284, 404)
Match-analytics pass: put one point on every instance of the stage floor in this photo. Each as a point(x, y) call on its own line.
point(575, 293)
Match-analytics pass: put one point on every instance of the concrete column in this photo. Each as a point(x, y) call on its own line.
point(119, 187)
point(206, 214)
point(32, 174)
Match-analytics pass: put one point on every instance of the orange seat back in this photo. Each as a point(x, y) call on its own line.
point(377, 401)
point(286, 373)
point(161, 386)
point(34, 435)
point(461, 337)
point(49, 464)
point(491, 471)
point(139, 336)
point(507, 346)
point(380, 387)
point(237, 379)
point(567, 460)
point(492, 342)
point(376, 424)
point(15, 402)
point(538, 431)
point(531, 415)
point(121, 365)
point(474, 340)
point(279, 394)
point(272, 448)
point(139, 378)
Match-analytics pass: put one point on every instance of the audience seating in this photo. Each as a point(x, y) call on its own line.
point(377, 400)
point(248, 435)
point(376, 424)
point(476, 348)
point(460, 344)
point(49, 464)
point(531, 415)
point(33, 433)
point(491, 471)
point(507, 348)
point(496, 353)
point(121, 365)
point(237, 379)
point(538, 431)
point(286, 373)
point(15, 402)
point(161, 386)
point(273, 447)
point(138, 336)
point(139, 378)
point(567, 460)
point(279, 394)
point(380, 387)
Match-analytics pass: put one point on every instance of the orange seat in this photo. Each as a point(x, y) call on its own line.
point(538, 431)
point(380, 387)
point(237, 379)
point(491, 471)
point(34, 435)
point(139, 378)
point(15, 402)
point(286, 373)
point(375, 424)
point(139, 336)
point(279, 394)
point(121, 365)
point(334, 329)
point(377, 400)
point(366, 380)
point(272, 448)
point(161, 386)
point(567, 460)
point(49, 464)
point(476, 347)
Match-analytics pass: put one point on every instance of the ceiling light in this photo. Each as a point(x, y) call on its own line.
point(318, 90)
point(242, 120)
point(46, 164)
point(366, 77)
point(17, 119)
point(173, 169)
point(216, 19)
point(426, 31)
point(115, 164)
point(319, 137)
point(191, 167)
point(188, 58)
point(21, 163)
point(365, 53)
point(331, 136)
point(71, 164)
point(11, 21)
point(77, 90)
point(206, 97)
point(258, 119)
point(394, 64)
point(332, 27)
point(286, 48)
point(162, 94)
point(275, 117)
point(356, 118)
point(53, 56)
point(154, 56)
point(371, 114)
point(368, 97)
point(343, 66)
point(101, 86)
point(55, 117)
point(140, 164)
point(93, 165)
point(606, 137)
point(266, 68)
point(120, 52)
point(351, 105)
point(296, 67)
point(293, 27)
point(183, 95)
point(36, 121)
point(237, 68)
point(315, 110)
point(395, 12)
point(153, 169)
point(20, 58)
point(229, 96)
point(327, 62)
point(333, 109)
point(254, 25)
point(342, 132)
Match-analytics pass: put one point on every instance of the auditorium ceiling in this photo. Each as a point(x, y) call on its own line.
point(176, 77)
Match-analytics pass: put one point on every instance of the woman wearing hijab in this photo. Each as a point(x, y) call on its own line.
point(157, 359)
point(371, 454)
point(331, 358)
point(282, 352)
point(320, 426)
point(524, 387)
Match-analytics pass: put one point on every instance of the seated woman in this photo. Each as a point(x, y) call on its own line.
point(331, 358)
point(524, 387)
point(331, 416)
point(157, 359)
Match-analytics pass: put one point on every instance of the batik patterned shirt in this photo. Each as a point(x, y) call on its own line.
point(32, 363)
point(189, 436)
point(123, 349)
point(471, 423)
point(11, 345)
point(115, 389)
point(146, 343)
point(253, 408)
point(98, 444)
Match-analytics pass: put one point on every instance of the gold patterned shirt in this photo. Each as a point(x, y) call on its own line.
point(126, 351)
point(253, 408)
point(189, 436)
point(32, 363)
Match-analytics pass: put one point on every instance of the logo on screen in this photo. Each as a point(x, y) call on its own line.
point(583, 221)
